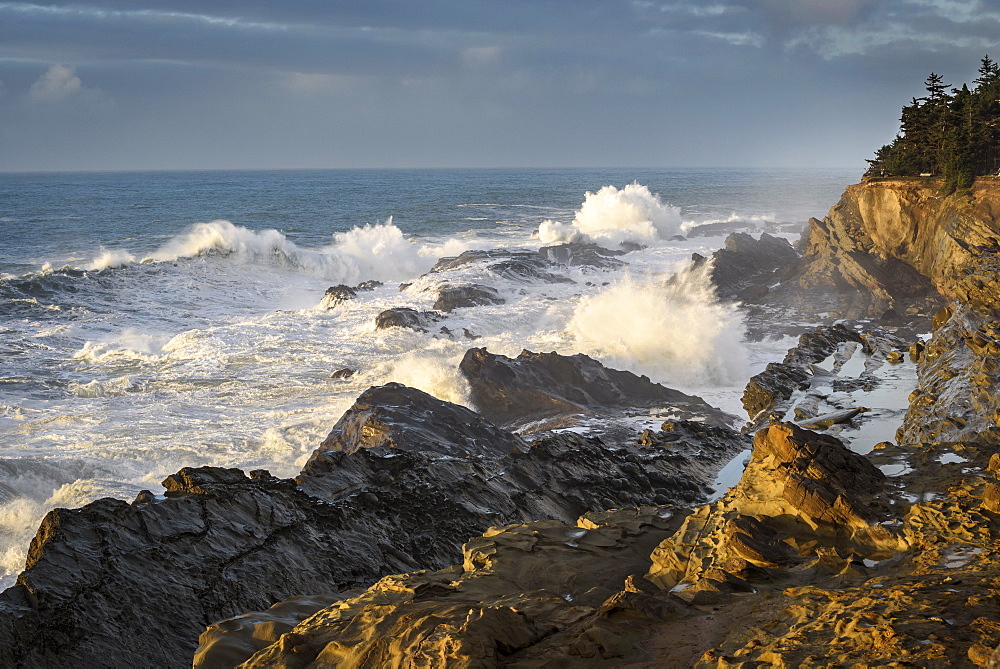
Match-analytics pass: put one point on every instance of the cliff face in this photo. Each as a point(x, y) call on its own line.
point(910, 221)
point(892, 244)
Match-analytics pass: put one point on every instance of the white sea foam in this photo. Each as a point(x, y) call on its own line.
point(676, 332)
point(111, 259)
point(379, 252)
point(756, 221)
point(130, 344)
point(432, 370)
point(611, 216)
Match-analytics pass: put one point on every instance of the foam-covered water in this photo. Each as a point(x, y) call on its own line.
point(152, 321)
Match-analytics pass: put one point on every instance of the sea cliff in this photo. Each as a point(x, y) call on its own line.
point(568, 551)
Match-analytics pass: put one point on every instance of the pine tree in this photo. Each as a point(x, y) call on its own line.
point(989, 73)
point(956, 134)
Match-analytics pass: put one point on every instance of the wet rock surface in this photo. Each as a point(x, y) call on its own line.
point(458, 297)
point(547, 593)
point(405, 317)
point(517, 266)
point(534, 386)
point(744, 269)
point(118, 584)
point(779, 380)
point(397, 416)
point(339, 294)
point(582, 255)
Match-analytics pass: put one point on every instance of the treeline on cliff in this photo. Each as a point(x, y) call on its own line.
point(952, 134)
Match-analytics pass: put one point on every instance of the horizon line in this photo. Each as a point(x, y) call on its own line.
point(4, 171)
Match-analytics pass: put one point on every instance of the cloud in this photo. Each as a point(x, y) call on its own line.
point(58, 83)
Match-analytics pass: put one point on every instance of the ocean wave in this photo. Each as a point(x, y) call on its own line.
point(676, 332)
point(381, 252)
point(612, 216)
point(755, 221)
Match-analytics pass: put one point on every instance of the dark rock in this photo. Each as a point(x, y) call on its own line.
point(533, 269)
point(745, 266)
point(405, 317)
point(397, 416)
point(120, 585)
point(344, 373)
point(582, 255)
point(527, 266)
point(779, 380)
point(719, 228)
point(457, 297)
point(538, 385)
point(337, 295)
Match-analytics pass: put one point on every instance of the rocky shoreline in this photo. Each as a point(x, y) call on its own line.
point(422, 530)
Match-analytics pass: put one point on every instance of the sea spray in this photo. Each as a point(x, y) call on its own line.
point(432, 370)
point(612, 216)
point(111, 259)
point(676, 331)
point(381, 252)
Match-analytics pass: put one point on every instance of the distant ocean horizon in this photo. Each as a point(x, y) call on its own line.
point(153, 320)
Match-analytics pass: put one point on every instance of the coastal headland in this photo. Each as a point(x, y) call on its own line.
point(420, 533)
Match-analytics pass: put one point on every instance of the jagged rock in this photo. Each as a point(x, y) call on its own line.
point(118, 584)
point(511, 265)
point(516, 391)
point(745, 266)
point(530, 268)
point(800, 488)
point(405, 317)
point(476, 255)
point(230, 642)
point(829, 419)
point(397, 416)
point(337, 295)
point(343, 373)
point(582, 255)
point(991, 497)
point(718, 228)
point(542, 592)
point(779, 380)
point(457, 297)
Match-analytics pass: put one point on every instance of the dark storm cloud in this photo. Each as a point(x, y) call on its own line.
point(557, 82)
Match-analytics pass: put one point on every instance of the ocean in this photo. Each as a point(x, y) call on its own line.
point(156, 320)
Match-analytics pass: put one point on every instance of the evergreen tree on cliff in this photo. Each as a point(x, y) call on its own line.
point(954, 135)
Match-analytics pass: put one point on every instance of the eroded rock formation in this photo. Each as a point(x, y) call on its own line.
point(533, 386)
point(119, 584)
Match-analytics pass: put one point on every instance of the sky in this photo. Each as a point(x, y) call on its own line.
point(185, 84)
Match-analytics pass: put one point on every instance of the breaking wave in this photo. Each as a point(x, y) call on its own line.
point(678, 331)
point(381, 252)
point(612, 216)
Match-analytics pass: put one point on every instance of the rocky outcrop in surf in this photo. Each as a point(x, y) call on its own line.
point(745, 268)
point(536, 386)
point(405, 317)
point(470, 295)
point(398, 486)
point(780, 379)
point(569, 551)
